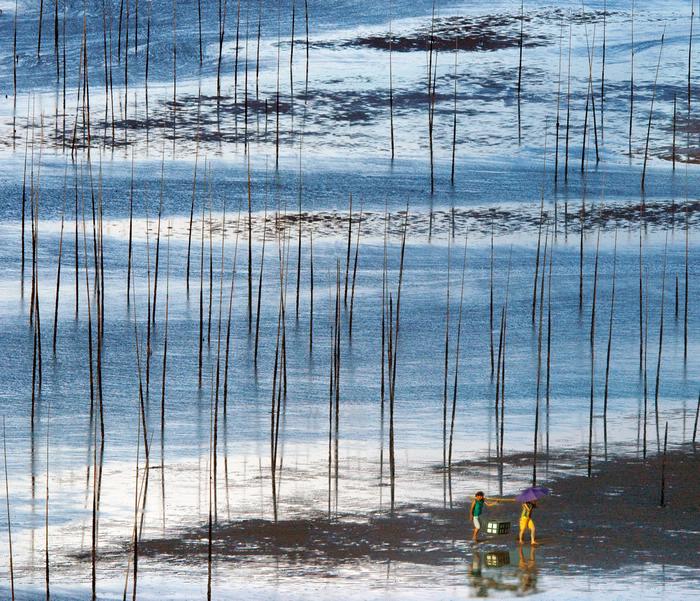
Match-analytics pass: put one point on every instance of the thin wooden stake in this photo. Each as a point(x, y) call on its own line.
point(662, 496)
point(651, 110)
point(9, 519)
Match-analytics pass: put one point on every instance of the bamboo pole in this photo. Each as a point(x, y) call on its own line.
point(454, 120)
point(580, 251)
point(590, 98)
point(222, 31)
point(199, 22)
point(631, 120)
point(277, 94)
point(228, 337)
point(568, 112)
point(504, 323)
point(148, 62)
point(47, 579)
point(677, 303)
point(157, 259)
point(245, 83)
point(651, 110)
point(336, 380)
point(354, 274)
point(382, 386)
point(347, 256)
point(447, 354)
point(673, 135)
point(291, 66)
point(119, 31)
point(58, 269)
point(76, 243)
point(126, 73)
point(535, 445)
point(695, 427)
point(174, 73)
point(311, 288)
point(549, 343)
point(201, 295)
point(539, 226)
point(520, 66)
point(308, 48)
point(24, 203)
point(260, 283)
point(391, 85)
point(432, 64)
point(211, 265)
point(592, 355)
point(131, 232)
point(685, 292)
point(456, 369)
point(661, 339)
point(690, 52)
point(331, 388)
point(556, 124)
point(105, 65)
point(602, 75)
point(212, 506)
point(136, 28)
point(9, 519)
point(645, 375)
point(498, 383)
point(189, 230)
point(235, 68)
point(250, 250)
point(393, 370)
point(14, 86)
point(217, 386)
point(641, 304)
point(589, 90)
point(41, 22)
point(491, 300)
point(257, 58)
point(63, 57)
point(299, 219)
point(164, 373)
point(662, 496)
point(609, 350)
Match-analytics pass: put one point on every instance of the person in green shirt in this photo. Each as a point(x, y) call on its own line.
point(475, 512)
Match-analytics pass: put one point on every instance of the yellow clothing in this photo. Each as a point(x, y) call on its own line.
point(526, 517)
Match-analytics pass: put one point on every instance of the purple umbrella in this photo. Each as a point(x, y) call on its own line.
point(532, 494)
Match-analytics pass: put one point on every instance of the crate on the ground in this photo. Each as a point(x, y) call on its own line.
point(497, 527)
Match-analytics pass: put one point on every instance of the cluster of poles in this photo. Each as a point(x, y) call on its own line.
point(215, 328)
point(118, 29)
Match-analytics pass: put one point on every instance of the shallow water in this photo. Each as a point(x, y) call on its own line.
point(341, 156)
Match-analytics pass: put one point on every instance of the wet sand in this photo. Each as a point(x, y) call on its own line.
point(606, 522)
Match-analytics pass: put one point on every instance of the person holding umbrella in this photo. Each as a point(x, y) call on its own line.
point(528, 498)
point(526, 522)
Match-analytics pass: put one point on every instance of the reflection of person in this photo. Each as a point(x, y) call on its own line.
point(526, 522)
point(475, 512)
point(528, 572)
point(476, 564)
